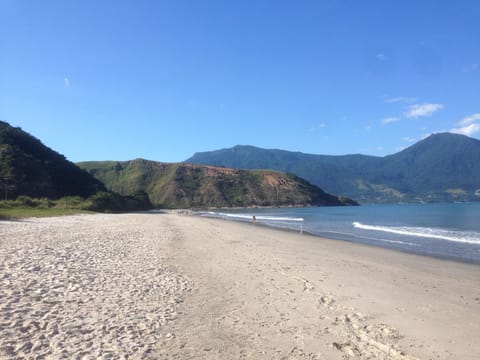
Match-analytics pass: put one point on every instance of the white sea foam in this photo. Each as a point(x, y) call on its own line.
point(434, 233)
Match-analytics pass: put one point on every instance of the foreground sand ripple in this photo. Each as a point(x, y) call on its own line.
point(69, 290)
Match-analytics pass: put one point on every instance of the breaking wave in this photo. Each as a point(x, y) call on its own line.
point(434, 233)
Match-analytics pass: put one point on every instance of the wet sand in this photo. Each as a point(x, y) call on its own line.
point(167, 286)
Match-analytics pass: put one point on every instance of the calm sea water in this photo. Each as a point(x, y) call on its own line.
point(440, 230)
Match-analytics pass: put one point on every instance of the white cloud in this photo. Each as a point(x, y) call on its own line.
point(468, 130)
point(469, 119)
point(400, 99)
point(469, 125)
point(381, 57)
point(67, 82)
point(367, 127)
point(420, 110)
point(389, 120)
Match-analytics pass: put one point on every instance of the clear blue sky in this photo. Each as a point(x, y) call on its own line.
point(118, 80)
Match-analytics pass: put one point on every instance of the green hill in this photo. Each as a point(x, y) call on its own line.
point(442, 167)
point(34, 170)
point(186, 185)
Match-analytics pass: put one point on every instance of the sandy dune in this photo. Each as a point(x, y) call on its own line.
point(165, 286)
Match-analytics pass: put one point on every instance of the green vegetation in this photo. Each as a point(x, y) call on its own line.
point(25, 206)
point(26, 212)
point(192, 186)
point(424, 172)
point(112, 202)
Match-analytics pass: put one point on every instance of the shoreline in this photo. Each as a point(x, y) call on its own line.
point(351, 241)
point(333, 241)
point(174, 286)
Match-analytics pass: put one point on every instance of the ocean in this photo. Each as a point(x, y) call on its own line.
point(449, 231)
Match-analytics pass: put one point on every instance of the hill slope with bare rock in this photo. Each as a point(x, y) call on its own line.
point(185, 185)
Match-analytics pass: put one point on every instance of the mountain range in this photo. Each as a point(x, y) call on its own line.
point(441, 167)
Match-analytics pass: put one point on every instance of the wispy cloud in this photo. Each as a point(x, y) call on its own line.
point(66, 81)
point(469, 125)
point(389, 120)
point(381, 57)
point(421, 110)
point(469, 119)
point(401, 99)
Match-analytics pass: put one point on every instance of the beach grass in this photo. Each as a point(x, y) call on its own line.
point(26, 212)
point(25, 206)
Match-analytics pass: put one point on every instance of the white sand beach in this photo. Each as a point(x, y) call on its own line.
point(167, 286)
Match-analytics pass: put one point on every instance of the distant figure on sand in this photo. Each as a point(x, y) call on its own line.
point(254, 219)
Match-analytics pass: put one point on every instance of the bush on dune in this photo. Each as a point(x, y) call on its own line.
point(100, 202)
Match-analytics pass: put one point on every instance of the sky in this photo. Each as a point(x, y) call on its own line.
point(161, 80)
